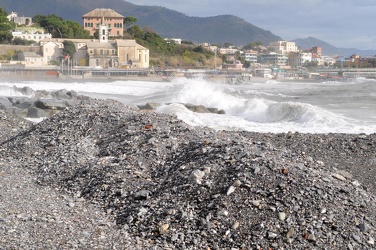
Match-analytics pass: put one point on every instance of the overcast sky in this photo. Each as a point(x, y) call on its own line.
point(342, 23)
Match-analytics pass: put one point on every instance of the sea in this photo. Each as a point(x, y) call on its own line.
point(271, 106)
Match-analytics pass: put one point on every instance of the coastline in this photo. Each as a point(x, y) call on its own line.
point(148, 178)
point(231, 79)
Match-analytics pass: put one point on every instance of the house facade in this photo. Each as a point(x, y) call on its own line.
point(283, 47)
point(102, 54)
point(111, 18)
point(31, 34)
point(132, 55)
point(31, 58)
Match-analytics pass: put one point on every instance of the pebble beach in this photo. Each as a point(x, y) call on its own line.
point(102, 175)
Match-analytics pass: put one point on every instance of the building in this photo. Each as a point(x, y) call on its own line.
point(13, 17)
point(31, 34)
point(109, 17)
point(273, 59)
point(173, 40)
point(31, 58)
point(105, 53)
point(283, 47)
point(315, 50)
point(299, 59)
point(102, 54)
point(50, 50)
point(131, 54)
point(250, 56)
point(227, 51)
point(234, 65)
point(263, 72)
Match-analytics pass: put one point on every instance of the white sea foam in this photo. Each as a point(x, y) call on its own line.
point(261, 107)
point(10, 91)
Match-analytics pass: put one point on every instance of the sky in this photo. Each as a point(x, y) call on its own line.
point(341, 23)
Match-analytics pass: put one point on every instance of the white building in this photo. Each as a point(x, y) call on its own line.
point(37, 36)
point(250, 56)
point(304, 58)
point(13, 17)
point(227, 51)
point(175, 40)
point(283, 47)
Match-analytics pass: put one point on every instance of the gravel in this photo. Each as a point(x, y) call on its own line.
point(101, 175)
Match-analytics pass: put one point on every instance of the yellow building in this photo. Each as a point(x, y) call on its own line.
point(132, 55)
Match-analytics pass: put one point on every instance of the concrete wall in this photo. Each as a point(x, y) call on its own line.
point(6, 47)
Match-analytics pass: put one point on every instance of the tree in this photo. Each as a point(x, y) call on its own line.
point(129, 20)
point(136, 32)
point(69, 48)
point(52, 23)
point(6, 27)
point(59, 28)
point(20, 41)
point(73, 29)
point(228, 45)
point(252, 45)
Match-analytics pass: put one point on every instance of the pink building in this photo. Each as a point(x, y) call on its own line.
point(114, 20)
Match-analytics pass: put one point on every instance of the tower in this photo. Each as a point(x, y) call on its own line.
point(103, 32)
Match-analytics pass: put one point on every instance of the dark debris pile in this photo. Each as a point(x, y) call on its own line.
point(185, 187)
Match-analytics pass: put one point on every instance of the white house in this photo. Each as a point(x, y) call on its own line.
point(37, 37)
point(283, 47)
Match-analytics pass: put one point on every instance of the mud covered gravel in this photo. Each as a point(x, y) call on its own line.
point(101, 175)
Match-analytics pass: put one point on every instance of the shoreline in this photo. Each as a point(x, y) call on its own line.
point(237, 79)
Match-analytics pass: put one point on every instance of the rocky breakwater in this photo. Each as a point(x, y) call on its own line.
point(38, 104)
point(167, 185)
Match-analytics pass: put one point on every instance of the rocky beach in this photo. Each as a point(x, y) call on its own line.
point(102, 175)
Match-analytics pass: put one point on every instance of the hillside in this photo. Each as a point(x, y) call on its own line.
point(328, 49)
point(167, 23)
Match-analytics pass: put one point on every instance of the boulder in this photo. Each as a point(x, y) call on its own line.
point(50, 104)
point(149, 106)
point(34, 112)
point(65, 94)
point(27, 91)
point(4, 103)
point(197, 108)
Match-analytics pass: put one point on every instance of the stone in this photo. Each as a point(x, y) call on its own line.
point(164, 228)
point(230, 190)
point(235, 225)
point(371, 241)
point(290, 233)
point(197, 176)
point(282, 216)
point(339, 177)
